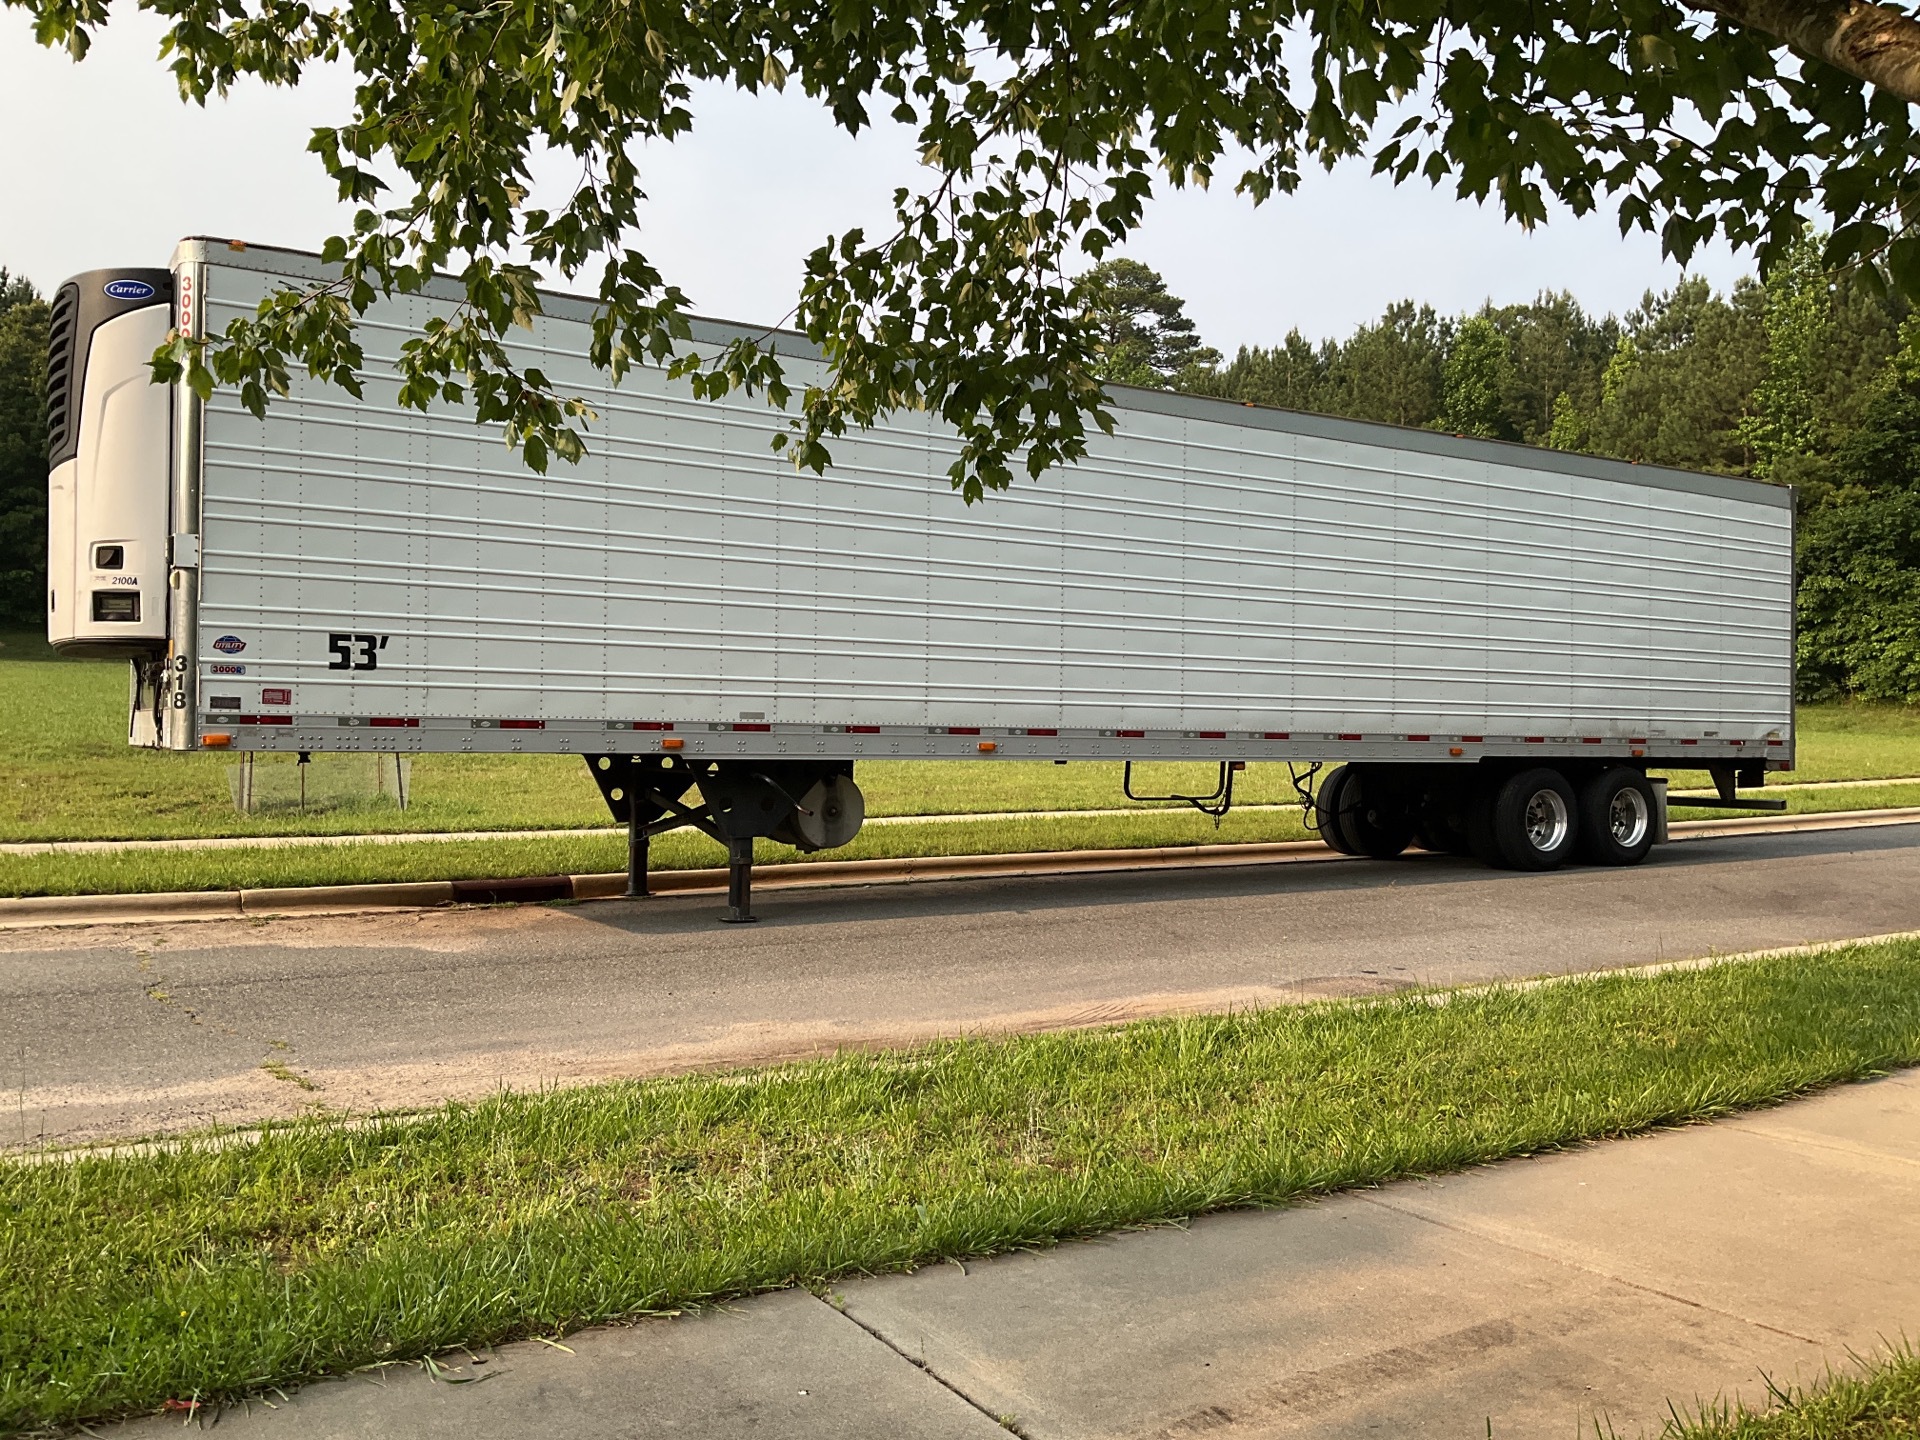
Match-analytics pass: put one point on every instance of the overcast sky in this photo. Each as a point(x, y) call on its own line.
point(104, 166)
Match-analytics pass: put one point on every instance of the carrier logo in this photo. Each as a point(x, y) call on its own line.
point(128, 290)
point(229, 644)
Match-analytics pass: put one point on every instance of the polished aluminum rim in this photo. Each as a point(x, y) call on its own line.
point(1548, 819)
point(1628, 816)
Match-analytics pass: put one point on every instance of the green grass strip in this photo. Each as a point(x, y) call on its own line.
point(245, 867)
point(1881, 1401)
point(208, 1270)
point(347, 863)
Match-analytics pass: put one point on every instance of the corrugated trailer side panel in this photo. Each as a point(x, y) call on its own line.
point(1209, 570)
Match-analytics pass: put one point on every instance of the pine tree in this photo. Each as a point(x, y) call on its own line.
point(1145, 335)
point(1391, 370)
point(1677, 388)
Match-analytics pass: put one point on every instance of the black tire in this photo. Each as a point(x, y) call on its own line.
point(1438, 834)
point(1326, 809)
point(1616, 818)
point(1534, 821)
point(1481, 844)
point(1371, 818)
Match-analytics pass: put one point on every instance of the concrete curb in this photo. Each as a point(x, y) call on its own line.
point(93, 909)
point(414, 895)
point(37, 911)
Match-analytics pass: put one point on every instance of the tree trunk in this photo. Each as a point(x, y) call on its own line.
point(1875, 42)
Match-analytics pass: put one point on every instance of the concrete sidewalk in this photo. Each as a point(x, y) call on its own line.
point(1530, 1297)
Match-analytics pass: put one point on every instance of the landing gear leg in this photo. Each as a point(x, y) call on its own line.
point(739, 881)
point(636, 853)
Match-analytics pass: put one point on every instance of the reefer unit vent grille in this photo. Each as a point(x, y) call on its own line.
point(62, 383)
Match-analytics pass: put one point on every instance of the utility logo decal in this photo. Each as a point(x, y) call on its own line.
point(228, 669)
point(128, 290)
point(229, 644)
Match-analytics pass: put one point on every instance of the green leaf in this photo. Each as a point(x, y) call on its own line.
point(1655, 52)
point(1903, 266)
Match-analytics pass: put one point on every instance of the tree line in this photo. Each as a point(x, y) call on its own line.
point(23, 453)
point(1809, 378)
point(1806, 379)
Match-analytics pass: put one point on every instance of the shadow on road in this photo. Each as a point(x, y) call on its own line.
point(919, 900)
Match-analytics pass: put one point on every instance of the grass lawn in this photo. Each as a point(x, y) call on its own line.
point(66, 772)
point(1878, 1400)
point(348, 863)
point(206, 1270)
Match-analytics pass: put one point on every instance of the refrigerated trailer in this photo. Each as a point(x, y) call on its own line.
point(1458, 644)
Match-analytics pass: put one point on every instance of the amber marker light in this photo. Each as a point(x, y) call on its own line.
point(987, 747)
point(672, 742)
point(1455, 750)
point(216, 740)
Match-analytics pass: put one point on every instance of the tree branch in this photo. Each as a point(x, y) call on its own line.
point(1876, 43)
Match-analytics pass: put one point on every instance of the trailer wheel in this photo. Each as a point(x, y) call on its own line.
point(1327, 801)
point(1438, 835)
point(1372, 818)
point(1616, 817)
point(1532, 822)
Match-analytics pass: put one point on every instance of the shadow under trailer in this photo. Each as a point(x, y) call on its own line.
point(1456, 644)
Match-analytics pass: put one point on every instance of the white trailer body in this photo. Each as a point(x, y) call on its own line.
point(1213, 581)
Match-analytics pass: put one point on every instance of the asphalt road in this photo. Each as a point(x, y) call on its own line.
point(122, 1031)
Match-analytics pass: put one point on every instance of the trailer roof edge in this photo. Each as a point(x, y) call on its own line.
point(272, 259)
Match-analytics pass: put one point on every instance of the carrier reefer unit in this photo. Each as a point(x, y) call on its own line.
point(1492, 643)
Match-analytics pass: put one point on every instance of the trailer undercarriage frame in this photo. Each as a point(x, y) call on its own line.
point(739, 803)
point(1508, 812)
